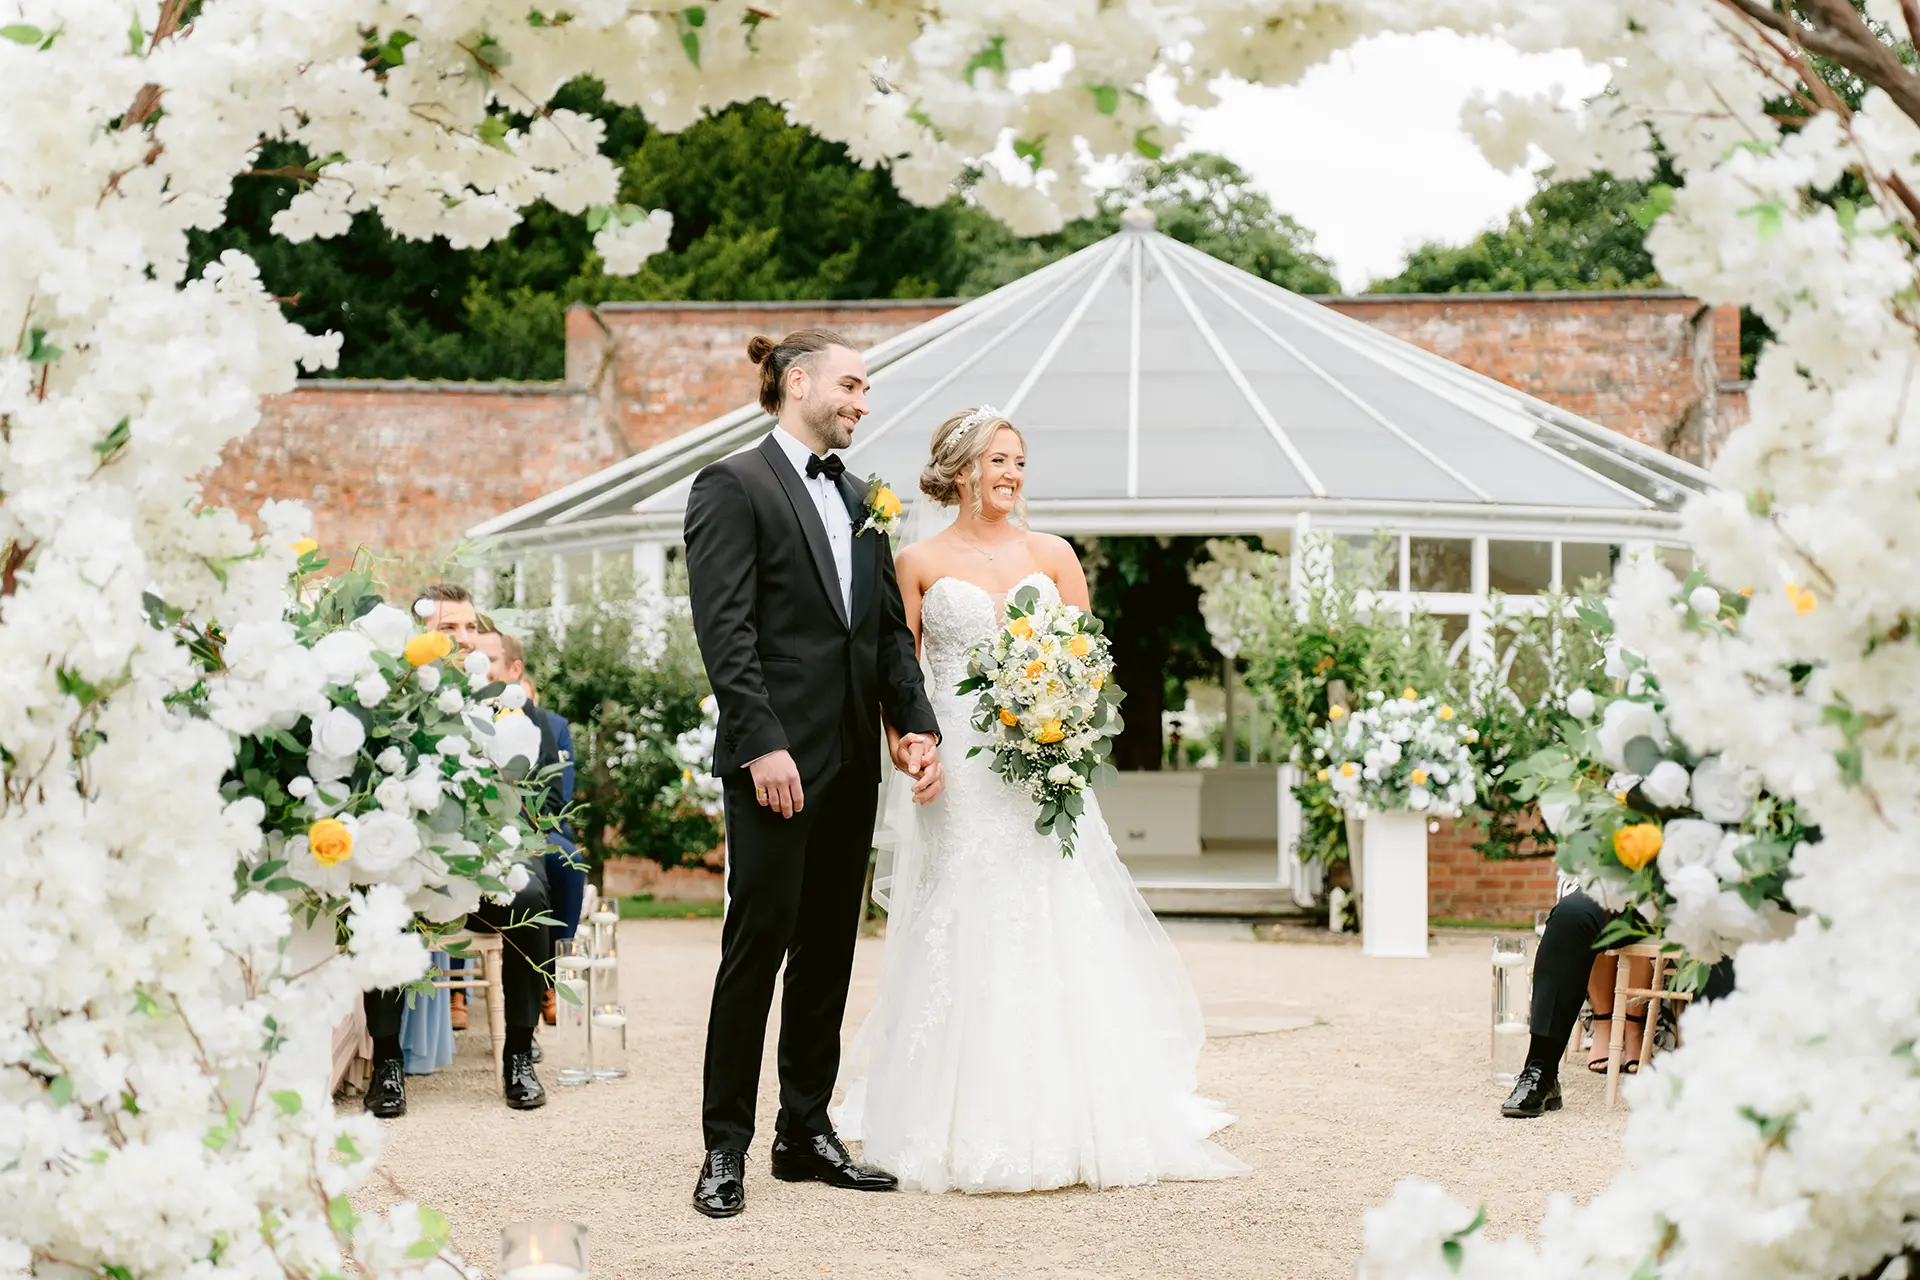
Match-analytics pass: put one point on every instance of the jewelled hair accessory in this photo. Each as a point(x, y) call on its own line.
point(984, 413)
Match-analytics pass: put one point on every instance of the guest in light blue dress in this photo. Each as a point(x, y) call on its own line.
point(426, 1027)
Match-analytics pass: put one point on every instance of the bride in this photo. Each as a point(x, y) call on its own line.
point(1034, 1026)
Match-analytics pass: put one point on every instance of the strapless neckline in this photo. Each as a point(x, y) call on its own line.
point(998, 598)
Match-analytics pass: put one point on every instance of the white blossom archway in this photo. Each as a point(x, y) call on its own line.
point(145, 1009)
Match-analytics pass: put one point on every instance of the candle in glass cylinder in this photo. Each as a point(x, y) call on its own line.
point(543, 1251)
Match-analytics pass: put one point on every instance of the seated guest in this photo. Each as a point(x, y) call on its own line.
point(526, 951)
point(1566, 972)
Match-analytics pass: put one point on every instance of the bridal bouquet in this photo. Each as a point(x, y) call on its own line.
point(1689, 846)
point(1047, 697)
point(1406, 753)
point(409, 769)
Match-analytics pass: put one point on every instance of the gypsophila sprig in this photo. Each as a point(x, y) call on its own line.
point(1399, 752)
point(1048, 700)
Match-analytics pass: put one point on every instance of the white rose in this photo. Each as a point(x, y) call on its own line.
point(1555, 815)
point(513, 697)
point(301, 787)
point(1390, 753)
point(1616, 667)
point(1726, 859)
point(423, 608)
point(382, 845)
point(449, 701)
point(447, 902)
point(453, 746)
point(1612, 895)
point(423, 789)
point(392, 760)
point(1704, 601)
point(1580, 704)
point(322, 767)
point(389, 628)
point(344, 655)
point(1624, 721)
point(514, 737)
point(1687, 842)
point(1666, 786)
point(370, 689)
point(510, 836)
point(517, 875)
point(427, 677)
point(1061, 775)
point(339, 734)
point(476, 666)
point(1722, 791)
point(1418, 799)
point(391, 795)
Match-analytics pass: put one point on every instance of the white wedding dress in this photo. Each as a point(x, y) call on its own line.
point(1034, 1026)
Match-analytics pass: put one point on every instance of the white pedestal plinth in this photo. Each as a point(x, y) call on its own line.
point(1393, 889)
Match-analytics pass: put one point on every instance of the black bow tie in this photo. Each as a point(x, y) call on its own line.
point(830, 464)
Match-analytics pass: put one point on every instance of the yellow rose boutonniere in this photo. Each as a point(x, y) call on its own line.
point(883, 508)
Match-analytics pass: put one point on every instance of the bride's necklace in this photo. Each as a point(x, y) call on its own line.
point(982, 550)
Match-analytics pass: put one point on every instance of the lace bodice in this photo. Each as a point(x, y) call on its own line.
point(955, 615)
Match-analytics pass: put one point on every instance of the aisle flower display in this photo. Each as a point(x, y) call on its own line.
point(1405, 752)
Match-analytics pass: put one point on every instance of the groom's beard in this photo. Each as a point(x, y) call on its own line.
point(827, 426)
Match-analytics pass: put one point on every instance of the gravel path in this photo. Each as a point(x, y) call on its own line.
point(1346, 1074)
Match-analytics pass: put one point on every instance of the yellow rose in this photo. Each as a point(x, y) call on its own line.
point(1445, 713)
point(1324, 775)
point(1348, 769)
point(1637, 845)
point(1419, 777)
point(330, 841)
point(886, 503)
point(429, 646)
point(1804, 601)
point(1408, 695)
point(1052, 731)
point(1080, 646)
point(1746, 591)
point(1473, 735)
point(1020, 627)
point(1336, 712)
point(1008, 718)
point(304, 546)
point(1035, 668)
point(1099, 682)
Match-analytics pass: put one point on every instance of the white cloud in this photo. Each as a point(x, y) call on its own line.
point(1367, 150)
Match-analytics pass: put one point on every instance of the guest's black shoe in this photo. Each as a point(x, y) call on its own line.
point(722, 1189)
point(387, 1091)
point(1533, 1095)
point(523, 1089)
point(821, 1158)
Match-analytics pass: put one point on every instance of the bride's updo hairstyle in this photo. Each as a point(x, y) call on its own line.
point(775, 358)
point(958, 445)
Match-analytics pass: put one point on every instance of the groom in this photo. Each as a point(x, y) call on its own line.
point(805, 639)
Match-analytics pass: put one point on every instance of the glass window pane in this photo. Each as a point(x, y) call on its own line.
point(1584, 562)
point(1441, 564)
point(1452, 627)
point(1520, 568)
point(1679, 560)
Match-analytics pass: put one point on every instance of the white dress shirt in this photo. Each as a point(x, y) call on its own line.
point(833, 513)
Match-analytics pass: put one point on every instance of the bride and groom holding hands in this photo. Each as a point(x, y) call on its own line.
point(1034, 1027)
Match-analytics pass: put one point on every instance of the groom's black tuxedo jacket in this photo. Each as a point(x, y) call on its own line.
point(789, 668)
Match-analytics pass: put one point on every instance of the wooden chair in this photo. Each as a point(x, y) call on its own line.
point(487, 948)
point(1653, 993)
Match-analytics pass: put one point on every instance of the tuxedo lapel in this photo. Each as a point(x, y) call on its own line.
point(866, 546)
point(809, 517)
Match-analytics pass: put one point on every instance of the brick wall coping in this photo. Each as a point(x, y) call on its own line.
point(821, 304)
point(1544, 295)
point(449, 388)
point(1745, 384)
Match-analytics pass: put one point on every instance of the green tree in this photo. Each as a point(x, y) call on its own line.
point(1579, 234)
point(1203, 200)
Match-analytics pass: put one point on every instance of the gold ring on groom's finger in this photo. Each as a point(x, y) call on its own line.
point(760, 794)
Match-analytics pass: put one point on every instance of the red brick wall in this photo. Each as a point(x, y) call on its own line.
point(410, 466)
point(1462, 885)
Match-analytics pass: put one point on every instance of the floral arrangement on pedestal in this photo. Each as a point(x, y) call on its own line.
point(698, 789)
point(1689, 846)
point(1404, 753)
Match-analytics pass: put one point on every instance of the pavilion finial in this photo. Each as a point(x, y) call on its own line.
point(1137, 218)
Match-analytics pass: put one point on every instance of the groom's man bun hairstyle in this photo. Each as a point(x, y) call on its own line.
point(775, 358)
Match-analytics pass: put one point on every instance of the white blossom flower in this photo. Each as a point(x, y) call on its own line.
point(517, 877)
point(1580, 704)
point(345, 655)
point(389, 628)
point(391, 795)
point(371, 689)
point(1687, 842)
point(338, 734)
point(427, 677)
point(391, 760)
point(300, 788)
point(1666, 785)
point(1722, 790)
point(1705, 602)
point(449, 700)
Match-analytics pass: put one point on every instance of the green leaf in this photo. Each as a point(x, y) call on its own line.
point(568, 994)
point(1659, 200)
point(117, 1272)
point(287, 1100)
point(1143, 142)
point(434, 1234)
point(1454, 1253)
point(21, 33)
point(1106, 98)
point(136, 37)
point(145, 1004)
point(39, 350)
point(346, 1147)
point(690, 41)
point(60, 1090)
point(1642, 755)
point(695, 16)
point(340, 1215)
point(1846, 211)
point(129, 1103)
point(1768, 218)
point(991, 58)
point(493, 132)
point(266, 869)
point(1030, 151)
point(115, 440)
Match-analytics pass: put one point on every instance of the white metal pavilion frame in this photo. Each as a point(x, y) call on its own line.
point(1164, 392)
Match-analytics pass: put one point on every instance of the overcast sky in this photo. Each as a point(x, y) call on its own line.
point(1367, 150)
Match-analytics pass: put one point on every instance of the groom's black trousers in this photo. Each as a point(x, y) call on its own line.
point(793, 894)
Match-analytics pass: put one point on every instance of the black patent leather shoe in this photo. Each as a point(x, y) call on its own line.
point(387, 1091)
point(1533, 1095)
point(523, 1088)
point(821, 1158)
point(722, 1189)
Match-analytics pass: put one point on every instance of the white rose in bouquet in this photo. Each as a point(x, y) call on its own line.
point(1418, 798)
point(322, 767)
point(1625, 720)
point(476, 665)
point(383, 844)
point(1666, 786)
point(1555, 814)
point(1705, 602)
point(389, 628)
point(513, 697)
point(391, 795)
point(447, 902)
point(427, 677)
point(449, 701)
point(344, 655)
point(1580, 704)
point(392, 760)
point(1688, 842)
point(371, 689)
point(424, 791)
point(517, 877)
point(1726, 859)
point(338, 734)
point(514, 737)
point(1710, 921)
point(1723, 791)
